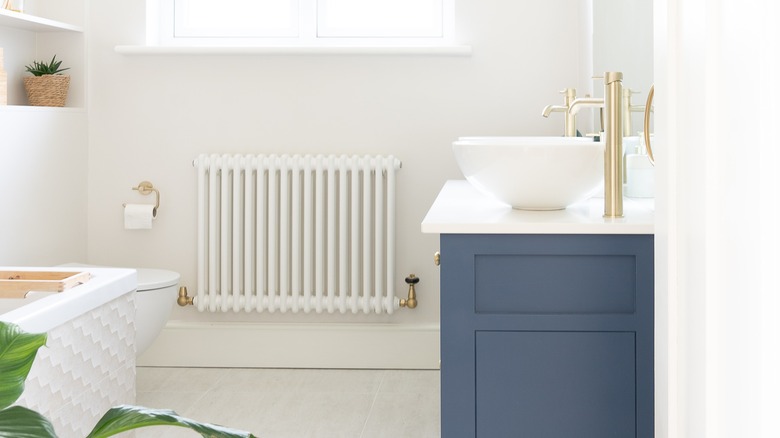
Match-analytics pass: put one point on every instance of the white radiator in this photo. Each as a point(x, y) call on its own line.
point(296, 233)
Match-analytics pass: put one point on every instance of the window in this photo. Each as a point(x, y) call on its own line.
point(301, 22)
point(235, 18)
point(380, 18)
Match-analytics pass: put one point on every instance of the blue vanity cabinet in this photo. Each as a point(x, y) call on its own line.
point(547, 335)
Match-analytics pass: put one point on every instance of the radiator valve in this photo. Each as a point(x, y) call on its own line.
point(411, 301)
point(184, 299)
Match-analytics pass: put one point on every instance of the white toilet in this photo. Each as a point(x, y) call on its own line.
point(156, 293)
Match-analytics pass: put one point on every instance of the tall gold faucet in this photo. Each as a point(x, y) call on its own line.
point(613, 133)
point(629, 108)
point(569, 125)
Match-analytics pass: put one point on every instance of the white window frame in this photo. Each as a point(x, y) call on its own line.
point(161, 19)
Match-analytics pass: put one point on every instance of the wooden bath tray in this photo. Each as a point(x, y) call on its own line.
point(16, 284)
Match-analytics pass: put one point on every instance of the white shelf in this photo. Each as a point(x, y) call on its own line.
point(40, 109)
point(35, 24)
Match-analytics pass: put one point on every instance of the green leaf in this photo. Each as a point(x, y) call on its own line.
point(123, 418)
point(20, 422)
point(17, 353)
point(40, 68)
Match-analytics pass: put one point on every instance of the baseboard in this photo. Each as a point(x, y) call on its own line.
point(243, 345)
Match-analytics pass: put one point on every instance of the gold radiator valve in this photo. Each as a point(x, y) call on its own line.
point(411, 301)
point(184, 299)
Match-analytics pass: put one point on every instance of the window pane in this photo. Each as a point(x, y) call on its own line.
point(236, 18)
point(379, 18)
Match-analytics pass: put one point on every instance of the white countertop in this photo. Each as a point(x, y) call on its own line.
point(462, 209)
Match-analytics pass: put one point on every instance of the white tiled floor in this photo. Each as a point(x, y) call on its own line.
point(287, 403)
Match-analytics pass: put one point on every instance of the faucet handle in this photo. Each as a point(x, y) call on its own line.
point(628, 92)
point(628, 106)
point(569, 94)
point(609, 77)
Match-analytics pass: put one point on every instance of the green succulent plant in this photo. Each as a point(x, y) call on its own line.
point(17, 353)
point(38, 68)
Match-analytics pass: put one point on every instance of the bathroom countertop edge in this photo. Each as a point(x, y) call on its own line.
point(462, 209)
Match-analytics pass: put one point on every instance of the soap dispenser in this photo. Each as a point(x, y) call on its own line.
point(640, 173)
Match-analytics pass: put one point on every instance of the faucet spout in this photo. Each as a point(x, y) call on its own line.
point(554, 108)
point(582, 102)
point(569, 128)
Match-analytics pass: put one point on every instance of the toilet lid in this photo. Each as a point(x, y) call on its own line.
point(150, 279)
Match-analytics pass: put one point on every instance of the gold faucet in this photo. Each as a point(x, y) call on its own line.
point(613, 137)
point(569, 125)
point(593, 102)
point(628, 108)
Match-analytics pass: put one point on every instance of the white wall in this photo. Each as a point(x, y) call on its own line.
point(623, 41)
point(43, 154)
point(151, 115)
point(43, 173)
point(717, 66)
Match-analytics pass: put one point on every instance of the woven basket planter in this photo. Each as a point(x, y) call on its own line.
point(47, 90)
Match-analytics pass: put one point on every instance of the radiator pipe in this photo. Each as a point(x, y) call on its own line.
point(411, 301)
point(184, 299)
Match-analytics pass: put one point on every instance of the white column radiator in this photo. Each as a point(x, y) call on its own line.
point(296, 233)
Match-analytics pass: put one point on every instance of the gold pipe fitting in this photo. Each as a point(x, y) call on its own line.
point(184, 299)
point(411, 301)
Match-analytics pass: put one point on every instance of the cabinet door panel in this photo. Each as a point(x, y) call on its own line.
point(560, 283)
point(555, 384)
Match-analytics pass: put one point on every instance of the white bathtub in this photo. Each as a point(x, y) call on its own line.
point(9, 304)
point(42, 311)
point(88, 364)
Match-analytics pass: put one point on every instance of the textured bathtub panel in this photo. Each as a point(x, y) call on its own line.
point(87, 366)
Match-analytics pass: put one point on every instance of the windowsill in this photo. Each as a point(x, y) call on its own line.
point(295, 50)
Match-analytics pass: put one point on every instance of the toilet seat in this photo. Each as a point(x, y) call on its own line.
point(152, 279)
point(148, 279)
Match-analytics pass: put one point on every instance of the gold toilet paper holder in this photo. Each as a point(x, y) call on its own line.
point(146, 188)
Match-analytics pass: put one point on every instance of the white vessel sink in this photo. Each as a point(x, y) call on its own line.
point(532, 173)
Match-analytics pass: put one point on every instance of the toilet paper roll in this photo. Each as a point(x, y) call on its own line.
point(138, 216)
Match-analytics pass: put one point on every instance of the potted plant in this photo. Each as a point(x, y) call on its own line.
point(17, 353)
point(47, 86)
